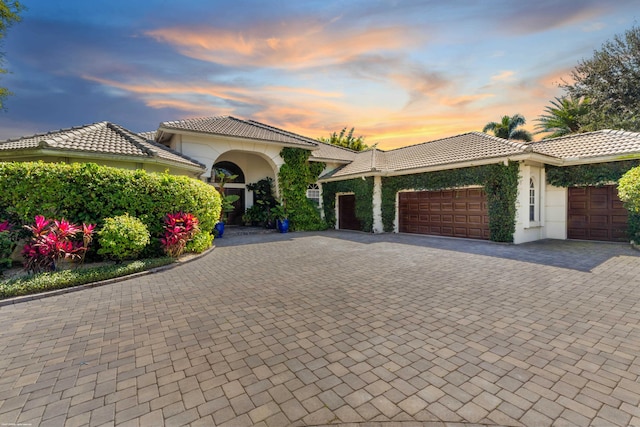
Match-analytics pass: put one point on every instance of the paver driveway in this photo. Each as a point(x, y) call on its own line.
point(322, 328)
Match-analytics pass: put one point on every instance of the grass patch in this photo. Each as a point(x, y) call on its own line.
point(68, 278)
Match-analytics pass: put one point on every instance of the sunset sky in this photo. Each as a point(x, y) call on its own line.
point(400, 72)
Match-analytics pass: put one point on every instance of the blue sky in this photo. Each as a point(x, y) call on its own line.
point(400, 72)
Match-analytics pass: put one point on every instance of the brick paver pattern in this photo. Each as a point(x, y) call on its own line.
point(337, 327)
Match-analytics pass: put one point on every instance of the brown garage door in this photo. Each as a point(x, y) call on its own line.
point(347, 213)
point(456, 213)
point(596, 213)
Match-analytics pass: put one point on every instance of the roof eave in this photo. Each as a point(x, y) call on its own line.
point(177, 131)
point(599, 159)
point(42, 152)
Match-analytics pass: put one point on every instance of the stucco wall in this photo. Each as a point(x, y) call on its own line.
point(528, 230)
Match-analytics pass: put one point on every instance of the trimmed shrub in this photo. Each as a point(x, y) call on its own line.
point(629, 189)
point(122, 237)
point(200, 243)
point(88, 193)
point(6, 246)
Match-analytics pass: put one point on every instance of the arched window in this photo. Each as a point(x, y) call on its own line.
point(313, 193)
point(229, 169)
point(532, 200)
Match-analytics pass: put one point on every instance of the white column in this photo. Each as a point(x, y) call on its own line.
point(377, 205)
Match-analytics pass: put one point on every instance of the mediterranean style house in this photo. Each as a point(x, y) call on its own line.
point(561, 188)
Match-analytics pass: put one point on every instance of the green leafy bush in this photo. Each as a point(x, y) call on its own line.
point(88, 193)
point(7, 245)
point(200, 243)
point(122, 237)
point(629, 189)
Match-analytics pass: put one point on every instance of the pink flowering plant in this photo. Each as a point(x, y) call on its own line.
point(54, 240)
point(179, 228)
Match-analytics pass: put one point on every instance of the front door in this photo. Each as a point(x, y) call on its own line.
point(347, 213)
point(235, 217)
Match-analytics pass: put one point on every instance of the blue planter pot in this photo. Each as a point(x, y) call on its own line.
point(282, 225)
point(219, 227)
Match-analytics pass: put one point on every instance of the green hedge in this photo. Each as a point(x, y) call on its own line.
point(363, 190)
point(90, 193)
point(500, 183)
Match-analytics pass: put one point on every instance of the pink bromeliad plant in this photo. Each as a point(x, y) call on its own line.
point(54, 240)
point(179, 228)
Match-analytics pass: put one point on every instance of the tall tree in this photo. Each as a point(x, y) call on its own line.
point(507, 128)
point(565, 115)
point(9, 14)
point(611, 81)
point(346, 140)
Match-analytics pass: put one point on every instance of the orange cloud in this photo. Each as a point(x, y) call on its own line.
point(291, 46)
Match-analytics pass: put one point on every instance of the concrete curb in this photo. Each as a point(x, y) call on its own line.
point(41, 295)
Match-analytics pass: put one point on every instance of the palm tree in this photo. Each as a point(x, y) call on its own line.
point(507, 128)
point(563, 116)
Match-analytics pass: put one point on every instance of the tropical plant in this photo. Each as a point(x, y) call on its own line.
point(263, 201)
point(53, 240)
point(507, 128)
point(122, 237)
point(611, 81)
point(564, 116)
point(279, 211)
point(345, 139)
point(179, 228)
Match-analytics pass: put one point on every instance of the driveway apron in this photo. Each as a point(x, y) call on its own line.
point(338, 328)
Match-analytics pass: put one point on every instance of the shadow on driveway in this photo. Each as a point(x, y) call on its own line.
point(570, 254)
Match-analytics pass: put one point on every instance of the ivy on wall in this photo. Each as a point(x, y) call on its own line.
point(363, 190)
point(595, 175)
point(294, 178)
point(500, 183)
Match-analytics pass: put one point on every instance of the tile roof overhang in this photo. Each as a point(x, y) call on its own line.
point(591, 147)
point(98, 140)
point(232, 127)
point(470, 149)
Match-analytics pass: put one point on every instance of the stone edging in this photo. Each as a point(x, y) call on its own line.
point(25, 298)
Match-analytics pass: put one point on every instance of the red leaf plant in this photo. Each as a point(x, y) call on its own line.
point(179, 228)
point(53, 240)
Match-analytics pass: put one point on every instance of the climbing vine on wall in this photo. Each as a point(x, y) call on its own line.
point(500, 183)
point(294, 178)
point(594, 175)
point(363, 190)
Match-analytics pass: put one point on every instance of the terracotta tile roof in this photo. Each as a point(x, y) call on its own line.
point(600, 143)
point(457, 149)
point(230, 126)
point(101, 138)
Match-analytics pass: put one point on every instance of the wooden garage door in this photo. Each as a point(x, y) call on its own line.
point(596, 213)
point(347, 213)
point(456, 213)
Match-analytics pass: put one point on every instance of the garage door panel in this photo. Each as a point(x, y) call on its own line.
point(596, 213)
point(458, 213)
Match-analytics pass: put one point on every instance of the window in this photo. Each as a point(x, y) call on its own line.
point(532, 200)
point(229, 169)
point(313, 194)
